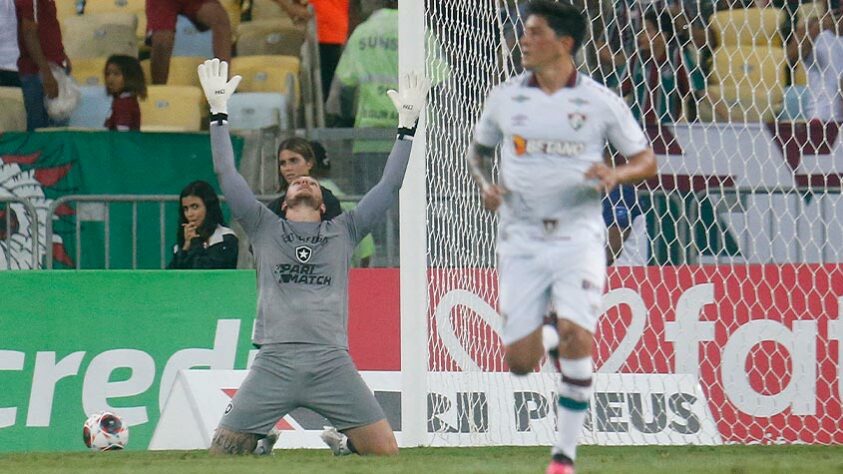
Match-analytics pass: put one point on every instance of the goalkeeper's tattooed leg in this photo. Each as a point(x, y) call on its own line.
point(231, 442)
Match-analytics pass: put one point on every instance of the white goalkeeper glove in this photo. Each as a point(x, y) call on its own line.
point(213, 75)
point(409, 101)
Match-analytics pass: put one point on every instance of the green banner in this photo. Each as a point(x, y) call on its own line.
point(72, 343)
point(43, 166)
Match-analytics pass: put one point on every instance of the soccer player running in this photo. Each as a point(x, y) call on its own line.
point(302, 276)
point(552, 124)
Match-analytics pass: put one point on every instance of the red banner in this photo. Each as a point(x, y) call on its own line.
point(764, 340)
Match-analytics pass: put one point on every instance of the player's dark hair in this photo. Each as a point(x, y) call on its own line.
point(663, 21)
point(298, 145)
point(562, 17)
point(133, 78)
point(213, 212)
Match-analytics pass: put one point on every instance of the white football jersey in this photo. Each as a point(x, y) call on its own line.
point(548, 142)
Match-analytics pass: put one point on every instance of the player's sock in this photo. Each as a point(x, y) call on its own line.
point(574, 392)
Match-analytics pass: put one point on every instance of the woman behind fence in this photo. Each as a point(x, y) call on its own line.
point(204, 242)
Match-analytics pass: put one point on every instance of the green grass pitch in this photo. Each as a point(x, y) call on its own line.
point(593, 459)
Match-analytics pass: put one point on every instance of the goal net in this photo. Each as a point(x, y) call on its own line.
point(721, 320)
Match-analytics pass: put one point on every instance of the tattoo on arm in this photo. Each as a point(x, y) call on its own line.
point(232, 442)
point(479, 159)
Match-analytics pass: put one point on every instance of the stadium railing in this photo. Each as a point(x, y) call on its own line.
point(99, 208)
point(32, 237)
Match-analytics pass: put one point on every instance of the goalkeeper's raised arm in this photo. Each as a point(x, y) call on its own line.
point(409, 100)
point(213, 75)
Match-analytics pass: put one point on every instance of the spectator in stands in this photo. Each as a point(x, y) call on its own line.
point(819, 45)
point(40, 44)
point(331, 29)
point(9, 52)
point(367, 68)
point(296, 158)
point(161, 16)
point(364, 251)
point(657, 75)
point(204, 242)
point(125, 83)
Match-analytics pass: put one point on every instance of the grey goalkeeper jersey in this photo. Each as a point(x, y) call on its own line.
point(302, 267)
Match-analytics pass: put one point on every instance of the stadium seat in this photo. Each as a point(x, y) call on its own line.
point(93, 108)
point(91, 36)
point(182, 70)
point(190, 41)
point(65, 9)
point(136, 7)
point(800, 77)
point(810, 10)
point(270, 37)
point(89, 71)
point(748, 66)
point(268, 74)
point(747, 26)
point(264, 9)
point(12, 111)
point(747, 84)
point(172, 108)
point(254, 110)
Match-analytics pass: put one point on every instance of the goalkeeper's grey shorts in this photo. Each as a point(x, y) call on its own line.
point(284, 377)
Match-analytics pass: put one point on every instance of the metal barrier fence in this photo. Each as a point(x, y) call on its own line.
point(7, 218)
point(764, 236)
point(161, 200)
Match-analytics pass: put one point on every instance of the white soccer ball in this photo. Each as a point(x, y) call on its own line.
point(105, 431)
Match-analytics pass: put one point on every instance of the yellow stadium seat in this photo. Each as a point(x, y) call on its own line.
point(747, 66)
point(174, 108)
point(91, 36)
point(137, 7)
point(268, 74)
point(65, 9)
point(12, 111)
point(263, 9)
point(810, 10)
point(268, 37)
point(747, 83)
point(735, 104)
point(89, 71)
point(182, 70)
point(747, 26)
point(800, 77)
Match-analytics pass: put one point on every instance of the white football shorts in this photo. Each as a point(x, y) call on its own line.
point(570, 276)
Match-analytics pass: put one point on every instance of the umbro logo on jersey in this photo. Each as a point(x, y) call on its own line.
point(523, 146)
point(520, 98)
point(519, 120)
point(577, 120)
point(303, 253)
point(578, 101)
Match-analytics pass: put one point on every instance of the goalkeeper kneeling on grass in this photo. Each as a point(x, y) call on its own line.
point(302, 268)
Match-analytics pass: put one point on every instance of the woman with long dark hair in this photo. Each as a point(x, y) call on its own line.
point(204, 242)
point(297, 158)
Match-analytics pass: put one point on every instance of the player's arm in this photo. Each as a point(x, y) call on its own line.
point(213, 75)
point(480, 165)
point(638, 167)
point(626, 135)
point(487, 135)
point(409, 102)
